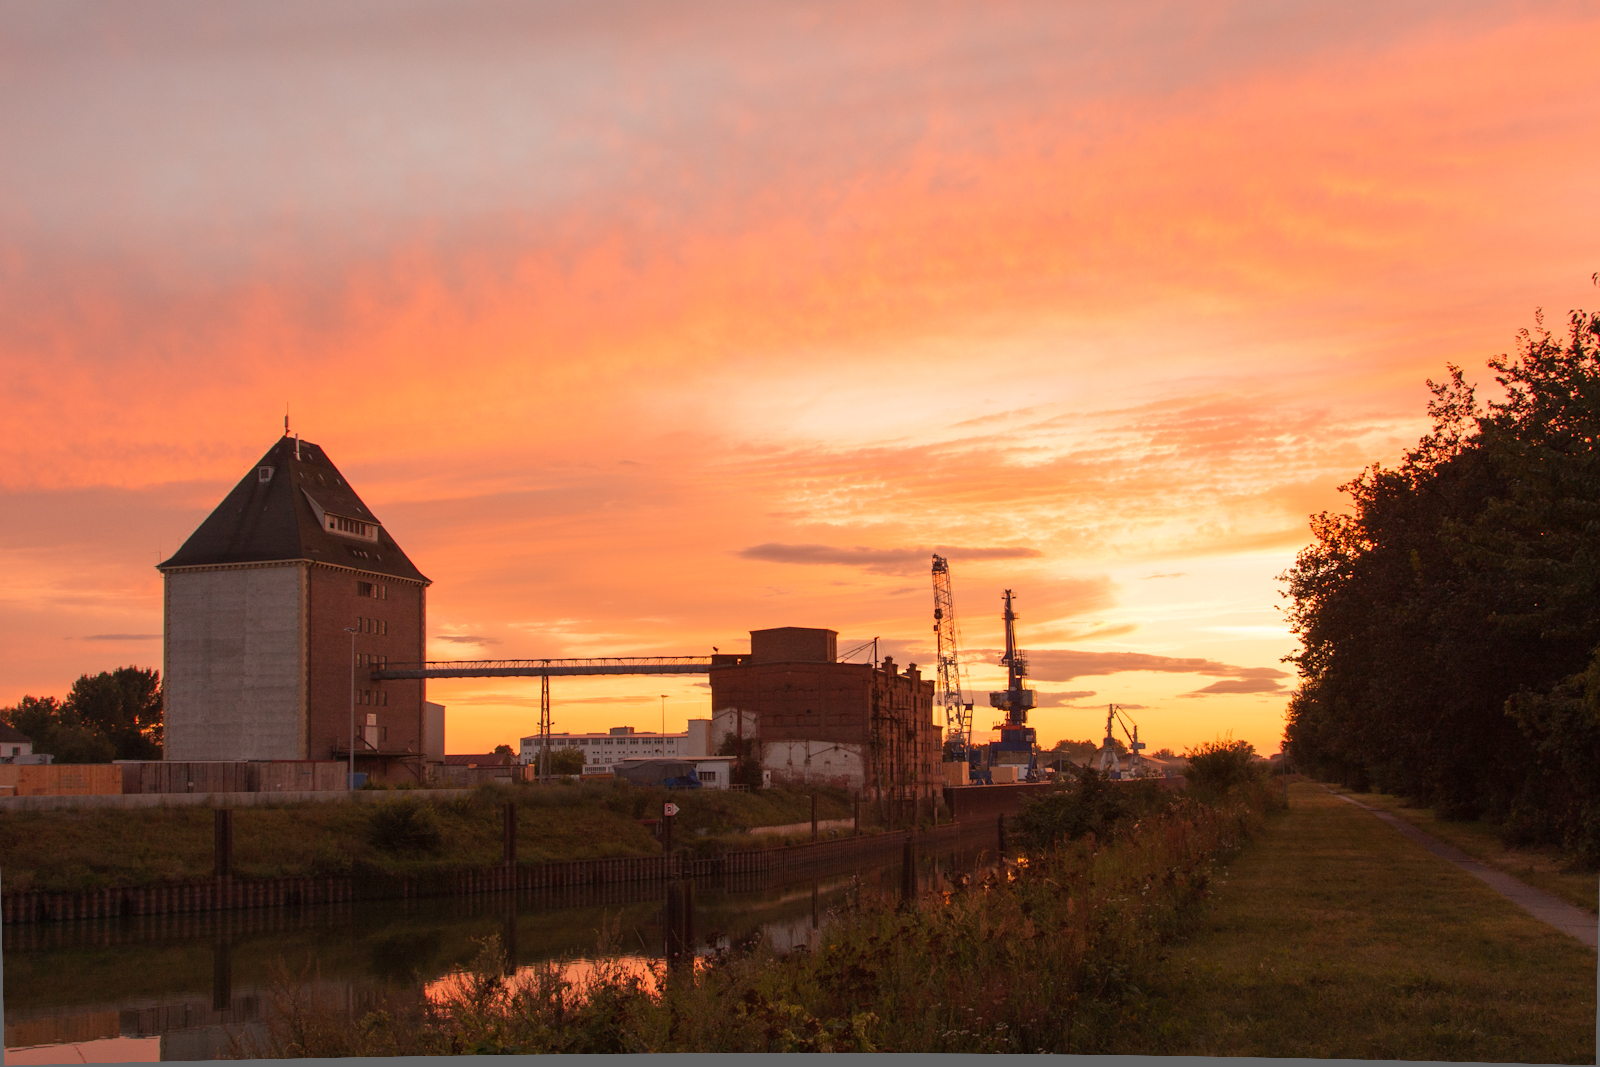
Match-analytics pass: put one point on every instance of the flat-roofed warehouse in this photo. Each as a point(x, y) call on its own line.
point(259, 604)
point(859, 725)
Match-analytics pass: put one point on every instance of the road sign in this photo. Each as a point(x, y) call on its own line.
point(670, 810)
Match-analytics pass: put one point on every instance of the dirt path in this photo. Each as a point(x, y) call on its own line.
point(1536, 902)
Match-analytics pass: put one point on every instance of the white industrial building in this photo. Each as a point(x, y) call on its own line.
point(603, 750)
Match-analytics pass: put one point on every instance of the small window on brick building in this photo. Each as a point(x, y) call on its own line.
point(383, 733)
point(384, 628)
point(365, 589)
point(383, 592)
point(385, 701)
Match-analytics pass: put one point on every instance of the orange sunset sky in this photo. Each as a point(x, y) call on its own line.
point(644, 325)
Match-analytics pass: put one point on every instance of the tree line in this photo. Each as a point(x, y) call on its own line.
point(1450, 625)
point(107, 716)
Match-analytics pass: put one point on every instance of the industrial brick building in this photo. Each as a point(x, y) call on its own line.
point(859, 725)
point(277, 608)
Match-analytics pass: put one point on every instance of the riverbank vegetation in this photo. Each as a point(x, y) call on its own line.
point(409, 833)
point(1043, 950)
point(1450, 625)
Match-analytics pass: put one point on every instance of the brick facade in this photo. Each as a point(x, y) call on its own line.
point(391, 627)
point(864, 726)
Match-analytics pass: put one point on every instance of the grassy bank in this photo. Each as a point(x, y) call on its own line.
point(1545, 869)
point(1335, 936)
point(104, 847)
point(1036, 954)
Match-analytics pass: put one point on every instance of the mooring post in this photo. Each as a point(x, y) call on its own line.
point(222, 862)
point(509, 826)
point(1001, 827)
point(813, 818)
point(510, 938)
point(688, 916)
point(221, 974)
point(671, 908)
point(908, 870)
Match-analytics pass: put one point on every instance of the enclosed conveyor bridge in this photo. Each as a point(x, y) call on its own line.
point(555, 668)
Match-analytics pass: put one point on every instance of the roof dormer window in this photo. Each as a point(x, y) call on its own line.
point(263, 474)
point(366, 531)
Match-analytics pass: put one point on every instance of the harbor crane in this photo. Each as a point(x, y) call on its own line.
point(1016, 736)
point(957, 712)
point(1109, 764)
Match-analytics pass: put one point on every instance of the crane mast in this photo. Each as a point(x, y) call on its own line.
point(957, 713)
point(1018, 743)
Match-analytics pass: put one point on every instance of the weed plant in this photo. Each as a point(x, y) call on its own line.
point(1039, 951)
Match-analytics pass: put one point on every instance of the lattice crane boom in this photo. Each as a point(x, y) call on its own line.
point(957, 712)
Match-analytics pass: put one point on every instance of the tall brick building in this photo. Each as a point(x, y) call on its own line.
point(258, 660)
point(860, 725)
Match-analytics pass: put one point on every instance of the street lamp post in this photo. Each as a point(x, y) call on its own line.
point(350, 779)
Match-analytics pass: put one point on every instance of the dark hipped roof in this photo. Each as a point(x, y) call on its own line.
point(278, 519)
point(13, 736)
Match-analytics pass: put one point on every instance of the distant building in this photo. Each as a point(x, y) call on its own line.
point(485, 759)
point(14, 743)
point(603, 750)
point(713, 772)
point(813, 719)
point(278, 607)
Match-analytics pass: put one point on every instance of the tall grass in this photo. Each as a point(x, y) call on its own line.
point(105, 847)
point(1040, 951)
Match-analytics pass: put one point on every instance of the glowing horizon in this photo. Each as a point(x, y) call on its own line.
point(640, 332)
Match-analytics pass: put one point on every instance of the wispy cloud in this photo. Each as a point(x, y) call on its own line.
point(1252, 680)
point(878, 560)
point(121, 637)
point(1061, 700)
point(466, 639)
point(1063, 665)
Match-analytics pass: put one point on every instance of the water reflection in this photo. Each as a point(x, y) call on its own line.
point(175, 987)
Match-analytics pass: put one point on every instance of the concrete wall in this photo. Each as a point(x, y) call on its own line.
point(393, 627)
point(699, 738)
point(235, 663)
point(725, 723)
point(433, 731)
point(221, 800)
point(827, 762)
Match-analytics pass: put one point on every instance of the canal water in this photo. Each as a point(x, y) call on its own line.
point(178, 987)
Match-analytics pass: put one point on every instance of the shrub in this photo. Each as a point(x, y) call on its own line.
point(405, 826)
point(1092, 804)
point(1217, 766)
